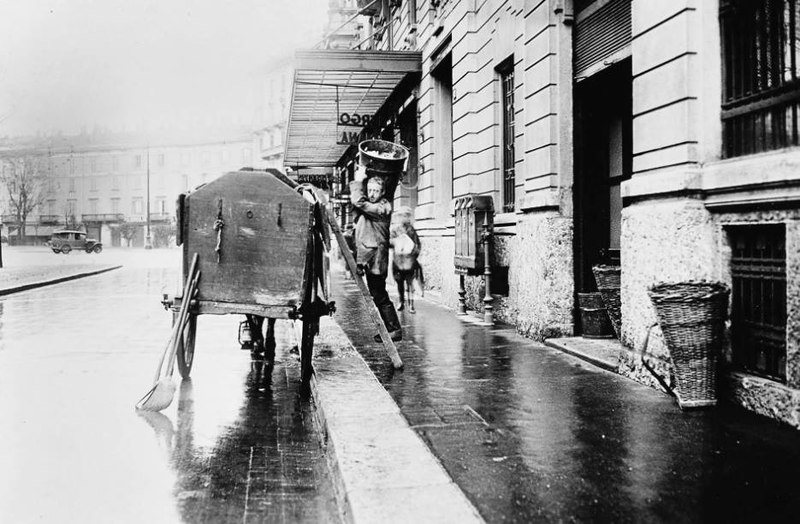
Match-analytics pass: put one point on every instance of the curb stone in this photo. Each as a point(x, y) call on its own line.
point(382, 470)
point(41, 283)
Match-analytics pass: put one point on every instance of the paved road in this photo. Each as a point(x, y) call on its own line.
point(237, 445)
point(531, 434)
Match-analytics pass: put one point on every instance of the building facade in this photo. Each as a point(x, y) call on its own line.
point(658, 136)
point(98, 183)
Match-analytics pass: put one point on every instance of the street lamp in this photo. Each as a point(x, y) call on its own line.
point(148, 244)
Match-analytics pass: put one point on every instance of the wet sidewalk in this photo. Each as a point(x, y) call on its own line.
point(530, 433)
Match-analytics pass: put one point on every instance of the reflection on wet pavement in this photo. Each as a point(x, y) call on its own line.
point(237, 444)
point(531, 434)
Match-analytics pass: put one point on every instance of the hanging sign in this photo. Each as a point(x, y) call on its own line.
point(353, 120)
point(345, 137)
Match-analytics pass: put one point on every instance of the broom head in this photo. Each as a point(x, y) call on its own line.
point(160, 397)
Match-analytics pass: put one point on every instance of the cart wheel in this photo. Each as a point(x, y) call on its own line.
point(97, 249)
point(66, 248)
point(310, 329)
point(185, 350)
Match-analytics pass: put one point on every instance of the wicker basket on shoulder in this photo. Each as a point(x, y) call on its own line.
point(692, 317)
point(608, 284)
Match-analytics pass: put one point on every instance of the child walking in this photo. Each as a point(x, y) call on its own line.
point(405, 265)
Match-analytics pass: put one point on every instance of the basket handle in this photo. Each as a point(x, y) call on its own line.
point(648, 367)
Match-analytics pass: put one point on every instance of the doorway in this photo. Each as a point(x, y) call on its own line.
point(603, 160)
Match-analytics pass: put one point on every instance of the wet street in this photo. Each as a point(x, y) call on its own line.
point(532, 434)
point(238, 444)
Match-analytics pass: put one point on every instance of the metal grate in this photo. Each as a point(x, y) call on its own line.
point(601, 34)
point(509, 179)
point(758, 315)
point(761, 78)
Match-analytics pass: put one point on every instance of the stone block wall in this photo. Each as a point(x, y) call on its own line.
point(541, 283)
point(670, 240)
point(539, 257)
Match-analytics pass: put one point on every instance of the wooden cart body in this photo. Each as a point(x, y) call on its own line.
point(251, 231)
point(259, 242)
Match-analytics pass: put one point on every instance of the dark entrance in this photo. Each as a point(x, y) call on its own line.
point(603, 159)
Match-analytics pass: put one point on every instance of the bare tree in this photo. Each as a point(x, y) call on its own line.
point(128, 231)
point(24, 177)
point(163, 234)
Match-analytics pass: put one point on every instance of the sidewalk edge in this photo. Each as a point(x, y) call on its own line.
point(420, 492)
point(42, 283)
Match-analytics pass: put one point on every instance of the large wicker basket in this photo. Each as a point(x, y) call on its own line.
point(692, 317)
point(608, 284)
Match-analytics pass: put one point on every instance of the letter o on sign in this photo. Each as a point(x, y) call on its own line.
point(344, 119)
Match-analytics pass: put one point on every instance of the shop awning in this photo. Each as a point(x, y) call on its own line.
point(334, 89)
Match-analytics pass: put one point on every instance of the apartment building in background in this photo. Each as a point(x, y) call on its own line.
point(97, 182)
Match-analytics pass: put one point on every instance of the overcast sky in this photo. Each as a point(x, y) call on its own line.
point(74, 64)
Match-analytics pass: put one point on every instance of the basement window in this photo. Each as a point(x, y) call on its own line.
point(758, 310)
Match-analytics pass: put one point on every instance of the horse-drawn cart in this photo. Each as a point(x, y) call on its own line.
point(260, 245)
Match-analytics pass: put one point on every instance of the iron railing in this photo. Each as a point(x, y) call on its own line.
point(758, 313)
point(509, 178)
point(51, 219)
point(761, 75)
point(103, 217)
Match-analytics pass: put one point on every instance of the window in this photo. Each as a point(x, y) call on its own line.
point(246, 156)
point(115, 182)
point(138, 161)
point(761, 89)
point(506, 71)
point(115, 205)
point(71, 185)
point(93, 183)
point(443, 135)
point(758, 312)
point(94, 165)
point(93, 206)
point(137, 207)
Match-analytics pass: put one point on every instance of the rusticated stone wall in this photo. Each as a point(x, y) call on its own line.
point(766, 397)
point(666, 241)
point(541, 282)
point(539, 257)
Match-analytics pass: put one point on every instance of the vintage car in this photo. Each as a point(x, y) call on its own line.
point(66, 240)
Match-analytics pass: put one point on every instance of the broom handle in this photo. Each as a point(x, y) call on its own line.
point(181, 324)
point(172, 334)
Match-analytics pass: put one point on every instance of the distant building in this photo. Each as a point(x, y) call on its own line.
point(97, 182)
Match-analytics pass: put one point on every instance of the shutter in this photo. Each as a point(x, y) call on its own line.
point(601, 30)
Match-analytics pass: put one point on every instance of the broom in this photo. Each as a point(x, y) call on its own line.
point(161, 394)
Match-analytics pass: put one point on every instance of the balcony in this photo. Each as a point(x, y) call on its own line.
point(50, 220)
point(160, 217)
point(102, 218)
point(9, 219)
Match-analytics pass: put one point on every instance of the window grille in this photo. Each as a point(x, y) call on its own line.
point(758, 313)
point(761, 84)
point(507, 81)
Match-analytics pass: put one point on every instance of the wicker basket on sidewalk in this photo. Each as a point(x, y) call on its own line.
point(608, 284)
point(692, 317)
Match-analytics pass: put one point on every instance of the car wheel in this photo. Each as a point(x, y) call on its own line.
point(97, 249)
point(66, 249)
